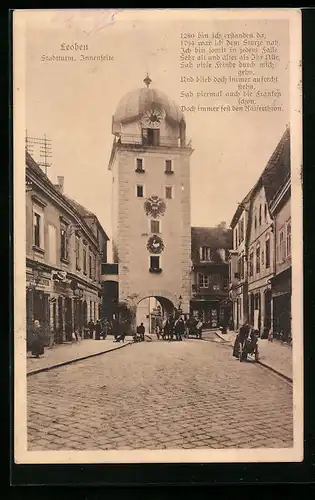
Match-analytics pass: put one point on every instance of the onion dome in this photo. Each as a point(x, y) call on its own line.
point(134, 104)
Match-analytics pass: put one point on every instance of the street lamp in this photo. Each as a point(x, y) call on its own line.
point(180, 299)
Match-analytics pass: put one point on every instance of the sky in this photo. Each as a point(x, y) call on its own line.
point(73, 104)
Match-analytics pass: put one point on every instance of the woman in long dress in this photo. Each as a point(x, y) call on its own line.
point(37, 341)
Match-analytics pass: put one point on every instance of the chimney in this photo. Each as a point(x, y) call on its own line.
point(60, 183)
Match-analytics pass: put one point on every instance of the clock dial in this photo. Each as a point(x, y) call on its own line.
point(155, 244)
point(154, 206)
point(152, 118)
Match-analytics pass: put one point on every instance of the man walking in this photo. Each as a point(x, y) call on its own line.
point(141, 331)
point(91, 327)
point(179, 328)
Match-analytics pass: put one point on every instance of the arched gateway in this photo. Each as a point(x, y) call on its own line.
point(150, 164)
point(152, 311)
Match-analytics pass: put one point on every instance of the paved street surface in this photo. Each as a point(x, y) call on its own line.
point(276, 354)
point(70, 352)
point(158, 395)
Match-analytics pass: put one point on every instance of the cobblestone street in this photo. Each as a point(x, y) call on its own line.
point(158, 395)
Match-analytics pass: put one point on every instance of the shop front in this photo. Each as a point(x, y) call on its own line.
point(281, 300)
point(208, 311)
point(38, 289)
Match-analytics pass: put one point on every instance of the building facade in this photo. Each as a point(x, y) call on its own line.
point(281, 283)
point(238, 279)
point(255, 261)
point(260, 265)
point(150, 164)
point(210, 275)
point(64, 253)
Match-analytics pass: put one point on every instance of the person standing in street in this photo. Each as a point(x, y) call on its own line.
point(179, 328)
point(141, 331)
point(171, 323)
point(91, 328)
point(98, 330)
point(37, 340)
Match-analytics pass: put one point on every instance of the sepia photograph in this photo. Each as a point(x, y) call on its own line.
point(158, 311)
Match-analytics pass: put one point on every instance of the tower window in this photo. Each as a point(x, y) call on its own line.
point(139, 165)
point(155, 226)
point(153, 137)
point(139, 190)
point(155, 264)
point(168, 167)
point(168, 192)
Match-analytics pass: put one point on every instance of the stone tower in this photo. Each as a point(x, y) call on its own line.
point(150, 164)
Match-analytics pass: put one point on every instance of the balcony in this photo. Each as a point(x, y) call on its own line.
point(207, 293)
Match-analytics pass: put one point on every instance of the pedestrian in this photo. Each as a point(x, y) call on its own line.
point(98, 330)
point(270, 335)
point(141, 332)
point(171, 323)
point(243, 333)
point(179, 328)
point(186, 334)
point(37, 340)
point(91, 328)
point(199, 328)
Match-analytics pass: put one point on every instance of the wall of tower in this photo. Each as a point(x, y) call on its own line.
point(133, 225)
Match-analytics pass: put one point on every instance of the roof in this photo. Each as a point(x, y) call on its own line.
point(273, 176)
point(278, 167)
point(84, 212)
point(80, 209)
point(212, 237)
point(136, 102)
point(240, 209)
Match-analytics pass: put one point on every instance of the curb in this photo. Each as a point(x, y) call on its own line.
point(285, 377)
point(71, 361)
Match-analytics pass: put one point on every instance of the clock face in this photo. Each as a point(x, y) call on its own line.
point(152, 118)
point(155, 244)
point(154, 206)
